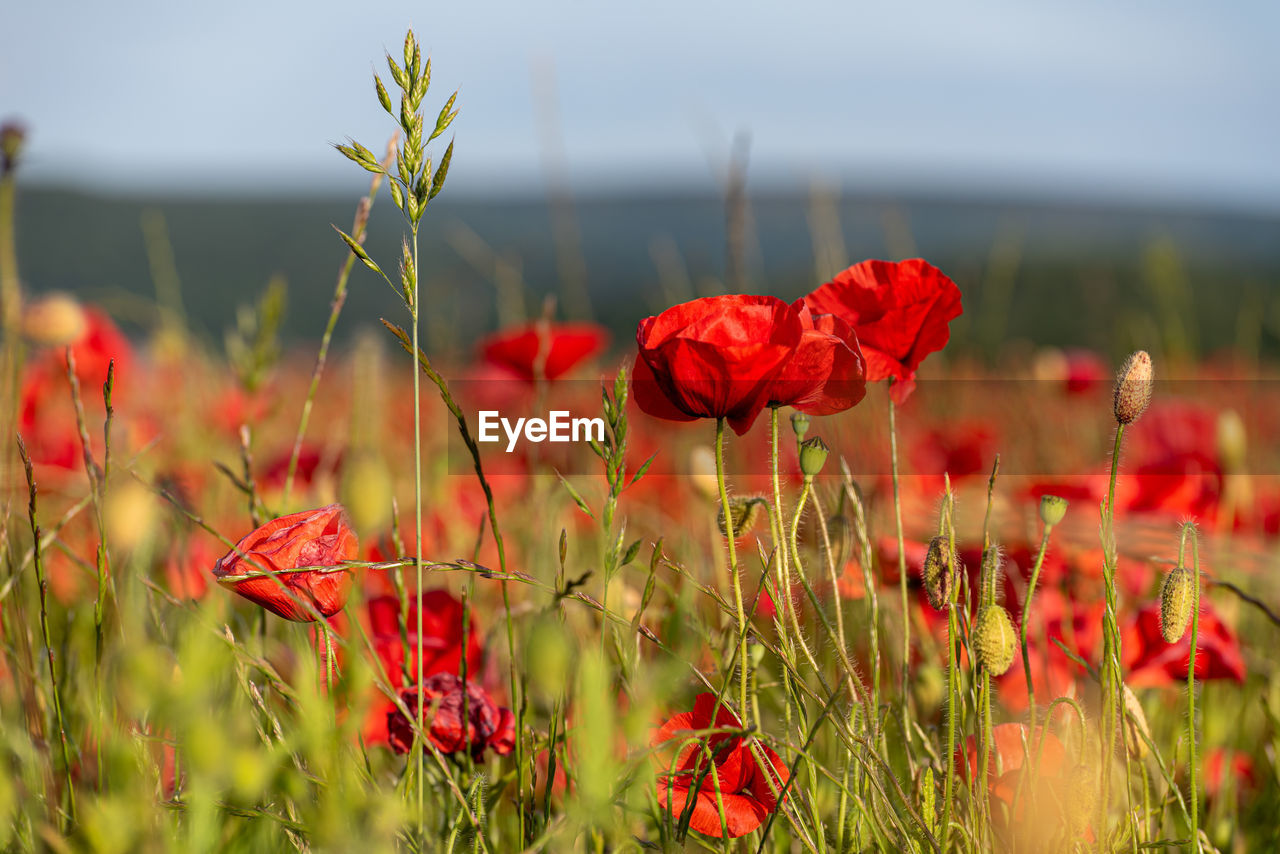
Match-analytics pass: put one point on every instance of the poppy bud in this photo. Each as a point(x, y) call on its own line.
point(54, 320)
point(1231, 441)
point(813, 456)
point(702, 470)
point(745, 513)
point(1135, 722)
point(1176, 600)
point(839, 535)
point(994, 639)
point(800, 425)
point(1133, 388)
point(1052, 509)
point(1082, 798)
point(939, 572)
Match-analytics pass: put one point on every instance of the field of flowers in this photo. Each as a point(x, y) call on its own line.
point(809, 584)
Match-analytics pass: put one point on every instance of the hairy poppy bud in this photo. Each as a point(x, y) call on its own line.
point(839, 535)
point(1133, 388)
point(1176, 600)
point(1052, 510)
point(939, 572)
point(54, 320)
point(1135, 722)
point(1231, 441)
point(800, 425)
point(1081, 798)
point(813, 456)
point(745, 513)
point(994, 639)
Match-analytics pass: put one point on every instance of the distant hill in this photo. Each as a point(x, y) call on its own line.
point(1050, 272)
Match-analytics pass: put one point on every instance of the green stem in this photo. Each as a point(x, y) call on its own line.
point(952, 682)
point(417, 545)
point(743, 663)
point(1111, 644)
point(902, 577)
point(1026, 619)
point(1193, 799)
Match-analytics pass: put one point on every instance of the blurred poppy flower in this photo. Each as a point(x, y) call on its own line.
point(542, 350)
point(746, 789)
point(1148, 660)
point(900, 312)
point(320, 537)
point(826, 374)
point(487, 726)
point(714, 358)
point(1043, 808)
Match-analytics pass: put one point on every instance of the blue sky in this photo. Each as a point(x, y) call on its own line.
point(1142, 99)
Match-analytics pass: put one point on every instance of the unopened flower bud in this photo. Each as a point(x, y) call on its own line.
point(1081, 798)
point(1133, 388)
point(939, 572)
point(54, 320)
point(1231, 441)
point(702, 471)
point(800, 425)
point(813, 456)
point(1176, 600)
point(1052, 509)
point(745, 513)
point(994, 639)
point(1135, 722)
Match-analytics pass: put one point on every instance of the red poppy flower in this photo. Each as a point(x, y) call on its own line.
point(1148, 660)
point(746, 789)
point(487, 725)
point(714, 357)
point(543, 350)
point(900, 312)
point(826, 373)
point(441, 636)
point(1043, 803)
point(311, 538)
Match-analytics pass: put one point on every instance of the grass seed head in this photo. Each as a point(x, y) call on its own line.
point(1133, 388)
point(994, 640)
point(1176, 599)
point(840, 536)
point(939, 572)
point(1135, 722)
point(1082, 798)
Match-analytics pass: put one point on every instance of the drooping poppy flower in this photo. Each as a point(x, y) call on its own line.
point(542, 350)
point(714, 357)
point(487, 725)
point(826, 374)
point(1148, 660)
point(321, 538)
point(900, 312)
point(748, 791)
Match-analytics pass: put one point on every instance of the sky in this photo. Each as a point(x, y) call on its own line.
point(1147, 100)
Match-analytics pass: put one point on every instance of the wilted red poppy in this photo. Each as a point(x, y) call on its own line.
point(900, 312)
point(746, 789)
point(714, 358)
point(487, 724)
point(543, 350)
point(826, 374)
point(1148, 660)
point(320, 537)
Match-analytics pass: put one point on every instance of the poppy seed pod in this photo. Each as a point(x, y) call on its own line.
point(939, 572)
point(800, 425)
point(1052, 510)
point(745, 513)
point(994, 639)
point(1176, 600)
point(1133, 388)
point(813, 456)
